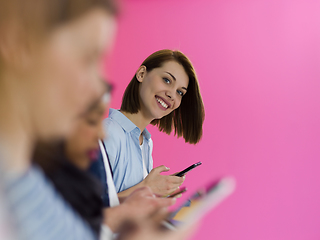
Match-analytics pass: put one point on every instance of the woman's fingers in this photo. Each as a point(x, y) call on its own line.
point(161, 169)
point(162, 185)
point(176, 180)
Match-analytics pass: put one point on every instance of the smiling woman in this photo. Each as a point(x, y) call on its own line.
point(164, 92)
point(191, 105)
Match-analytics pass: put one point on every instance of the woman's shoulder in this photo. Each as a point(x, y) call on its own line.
point(114, 138)
point(112, 124)
point(113, 129)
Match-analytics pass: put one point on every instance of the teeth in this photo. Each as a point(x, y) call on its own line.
point(163, 104)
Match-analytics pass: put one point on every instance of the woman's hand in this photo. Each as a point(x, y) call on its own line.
point(162, 185)
point(142, 203)
point(151, 228)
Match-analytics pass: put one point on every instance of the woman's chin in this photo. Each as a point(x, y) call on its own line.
point(163, 114)
point(159, 114)
point(84, 164)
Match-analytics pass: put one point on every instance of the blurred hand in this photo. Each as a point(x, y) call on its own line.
point(162, 185)
point(152, 229)
point(142, 203)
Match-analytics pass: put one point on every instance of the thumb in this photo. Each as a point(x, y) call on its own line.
point(174, 174)
point(161, 169)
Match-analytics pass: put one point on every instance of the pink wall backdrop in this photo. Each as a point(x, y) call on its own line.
point(258, 64)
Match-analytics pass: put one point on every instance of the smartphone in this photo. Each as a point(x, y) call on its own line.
point(203, 201)
point(183, 172)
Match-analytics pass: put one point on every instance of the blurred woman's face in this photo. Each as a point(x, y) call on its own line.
point(63, 76)
point(82, 145)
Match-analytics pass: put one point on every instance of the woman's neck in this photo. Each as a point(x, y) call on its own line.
point(16, 141)
point(138, 119)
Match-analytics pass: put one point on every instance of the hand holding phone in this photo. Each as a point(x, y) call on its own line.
point(205, 199)
point(183, 172)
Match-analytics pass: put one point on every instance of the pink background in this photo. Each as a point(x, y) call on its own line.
point(258, 63)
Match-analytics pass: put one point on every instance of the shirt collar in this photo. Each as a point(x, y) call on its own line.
point(126, 123)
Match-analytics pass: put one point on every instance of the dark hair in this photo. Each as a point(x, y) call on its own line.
point(187, 119)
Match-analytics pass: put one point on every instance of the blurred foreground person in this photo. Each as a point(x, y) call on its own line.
point(65, 163)
point(50, 53)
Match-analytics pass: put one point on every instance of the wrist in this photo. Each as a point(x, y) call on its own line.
point(114, 216)
point(143, 183)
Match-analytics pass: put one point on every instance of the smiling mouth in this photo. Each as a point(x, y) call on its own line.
point(163, 104)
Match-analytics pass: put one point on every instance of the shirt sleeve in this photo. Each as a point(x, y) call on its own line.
point(40, 213)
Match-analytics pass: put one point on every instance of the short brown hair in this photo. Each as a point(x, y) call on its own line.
point(187, 119)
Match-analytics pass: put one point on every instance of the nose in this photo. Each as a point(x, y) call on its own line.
point(170, 95)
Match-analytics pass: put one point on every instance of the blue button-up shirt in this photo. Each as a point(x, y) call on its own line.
point(39, 212)
point(124, 152)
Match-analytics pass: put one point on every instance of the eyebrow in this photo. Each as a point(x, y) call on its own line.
point(175, 79)
point(172, 76)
